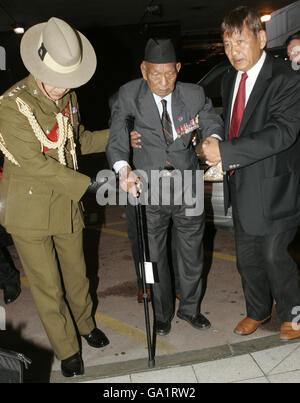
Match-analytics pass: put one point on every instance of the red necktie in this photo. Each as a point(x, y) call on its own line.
point(238, 110)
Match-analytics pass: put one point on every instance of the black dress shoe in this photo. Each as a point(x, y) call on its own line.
point(72, 366)
point(162, 328)
point(11, 292)
point(96, 338)
point(198, 321)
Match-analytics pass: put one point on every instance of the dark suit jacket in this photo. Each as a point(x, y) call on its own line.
point(135, 99)
point(266, 154)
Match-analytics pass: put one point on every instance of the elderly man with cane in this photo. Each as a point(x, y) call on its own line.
point(163, 112)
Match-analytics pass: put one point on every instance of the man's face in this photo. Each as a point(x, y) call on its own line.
point(161, 78)
point(51, 92)
point(293, 50)
point(244, 49)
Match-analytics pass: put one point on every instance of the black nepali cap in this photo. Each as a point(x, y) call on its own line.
point(160, 51)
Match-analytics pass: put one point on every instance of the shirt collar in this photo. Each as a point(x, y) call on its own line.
point(158, 98)
point(254, 71)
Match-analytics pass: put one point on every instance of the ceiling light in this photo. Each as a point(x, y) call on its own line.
point(265, 18)
point(19, 29)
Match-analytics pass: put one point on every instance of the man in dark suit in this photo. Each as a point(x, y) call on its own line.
point(261, 158)
point(161, 109)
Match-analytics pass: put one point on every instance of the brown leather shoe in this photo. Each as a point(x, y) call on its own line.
point(248, 326)
point(288, 333)
point(140, 298)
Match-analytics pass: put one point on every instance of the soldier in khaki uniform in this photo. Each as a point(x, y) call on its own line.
point(41, 187)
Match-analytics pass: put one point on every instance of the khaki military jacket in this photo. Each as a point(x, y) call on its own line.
point(39, 194)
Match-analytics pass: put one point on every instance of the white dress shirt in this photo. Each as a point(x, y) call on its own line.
point(252, 76)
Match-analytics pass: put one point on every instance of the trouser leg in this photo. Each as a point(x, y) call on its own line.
point(158, 219)
point(69, 250)
point(190, 258)
point(174, 259)
point(255, 282)
point(250, 265)
point(38, 258)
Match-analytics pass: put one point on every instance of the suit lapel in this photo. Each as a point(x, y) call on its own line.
point(229, 82)
point(148, 109)
point(179, 116)
point(177, 107)
point(258, 91)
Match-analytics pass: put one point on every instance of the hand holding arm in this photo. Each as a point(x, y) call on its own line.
point(210, 148)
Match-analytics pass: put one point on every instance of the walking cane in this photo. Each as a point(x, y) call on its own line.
point(141, 250)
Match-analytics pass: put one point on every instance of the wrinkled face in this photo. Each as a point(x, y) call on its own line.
point(52, 92)
point(244, 49)
point(161, 78)
point(293, 50)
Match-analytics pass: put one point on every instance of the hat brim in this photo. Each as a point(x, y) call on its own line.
point(33, 63)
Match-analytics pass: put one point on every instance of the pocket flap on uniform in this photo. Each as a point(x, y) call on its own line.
point(28, 204)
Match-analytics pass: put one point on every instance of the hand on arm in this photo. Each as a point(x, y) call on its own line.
point(211, 151)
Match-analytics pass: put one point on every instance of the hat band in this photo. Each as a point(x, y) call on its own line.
point(52, 64)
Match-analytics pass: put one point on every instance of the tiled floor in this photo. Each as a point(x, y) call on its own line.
point(275, 365)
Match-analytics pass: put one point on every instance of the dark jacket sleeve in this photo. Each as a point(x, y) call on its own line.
point(118, 146)
point(210, 121)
